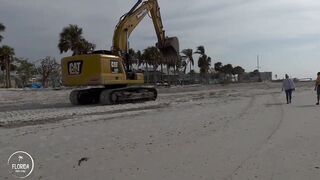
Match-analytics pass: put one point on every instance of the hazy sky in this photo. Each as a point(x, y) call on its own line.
point(285, 33)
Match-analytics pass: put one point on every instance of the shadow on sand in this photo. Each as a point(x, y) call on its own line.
point(274, 104)
point(307, 106)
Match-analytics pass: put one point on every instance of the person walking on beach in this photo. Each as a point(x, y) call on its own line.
point(317, 87)
point(288, 86)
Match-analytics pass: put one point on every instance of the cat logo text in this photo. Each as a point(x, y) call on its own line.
point(75, 67)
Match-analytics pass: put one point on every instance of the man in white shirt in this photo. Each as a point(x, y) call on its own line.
point(288, 86)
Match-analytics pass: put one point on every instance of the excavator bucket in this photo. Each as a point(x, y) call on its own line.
point(170, 50)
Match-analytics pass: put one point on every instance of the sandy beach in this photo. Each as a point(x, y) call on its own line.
point(216, 132)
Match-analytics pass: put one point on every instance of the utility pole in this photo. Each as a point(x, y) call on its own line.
point(258, 68)
point(258, 63)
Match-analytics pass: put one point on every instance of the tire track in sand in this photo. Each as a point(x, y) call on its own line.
point(272, 133)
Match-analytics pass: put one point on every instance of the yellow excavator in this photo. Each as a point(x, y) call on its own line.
point(108, 80)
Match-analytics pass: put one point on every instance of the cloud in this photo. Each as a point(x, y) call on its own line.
point(284, 32)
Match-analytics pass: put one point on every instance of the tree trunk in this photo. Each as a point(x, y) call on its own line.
point(154, 75)
point(8, 83)
point(174, 74)
point(45, 83)
point(3, 81)
point(147, 73)
point(169, 78)
point(45, 78)
point(9, 77)
point(4, 76)
point(191, 75)
point(161, 72)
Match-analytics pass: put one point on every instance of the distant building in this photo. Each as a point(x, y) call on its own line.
point(266, 76)
point(256, 76)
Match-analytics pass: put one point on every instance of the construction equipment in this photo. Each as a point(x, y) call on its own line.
point(104, 72)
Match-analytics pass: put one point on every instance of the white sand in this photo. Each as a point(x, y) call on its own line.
point(204, 132)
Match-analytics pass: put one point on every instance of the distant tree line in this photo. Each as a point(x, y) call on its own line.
point(45, 69)
point(227, 71)
point(71, 39)
point(220, 71)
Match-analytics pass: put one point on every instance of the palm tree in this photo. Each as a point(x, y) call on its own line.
point(227, 70)
point(130, 59)
point(217, 66)
point(86, 47)
point(239, 71)
point(71, 39)
point(2, 28)
point(6, 53)
point(138, 57)
point(204, 61)
point(187, 54)
point(208, 62)
point(143, 60)
point(152, 56)
point(171, 62)
point(177, 65)
point(20, 158)
point(184, 64)
point(200, 50)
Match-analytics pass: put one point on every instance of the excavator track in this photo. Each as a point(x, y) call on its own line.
point(113, 96)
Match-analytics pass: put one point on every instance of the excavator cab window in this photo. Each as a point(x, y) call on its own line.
point(115, 67)
point(102, 52)
point(131, 74)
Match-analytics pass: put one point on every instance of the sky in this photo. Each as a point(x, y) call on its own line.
point(284, 33)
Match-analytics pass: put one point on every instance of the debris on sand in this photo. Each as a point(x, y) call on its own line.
point(82, 159)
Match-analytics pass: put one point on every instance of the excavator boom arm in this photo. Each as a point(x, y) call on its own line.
point(130, 21)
